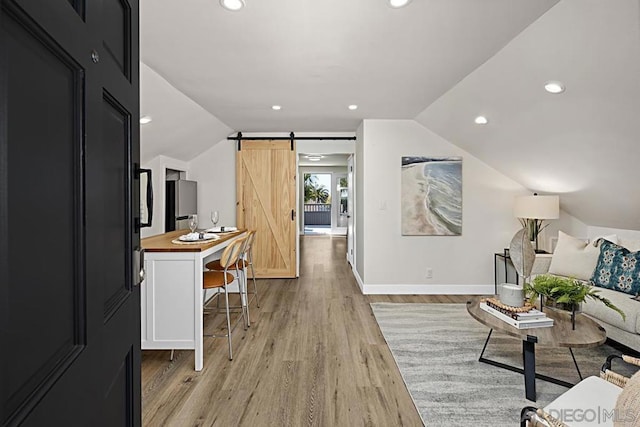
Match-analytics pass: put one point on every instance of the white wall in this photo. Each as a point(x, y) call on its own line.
point(215, 172)
point(359, 187)
point(397, 264)
point(158, 166)
point(567, 223)
point(326, 147)
point(181, 129)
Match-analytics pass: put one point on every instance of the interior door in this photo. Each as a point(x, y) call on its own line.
point(69, 140)
point(350, 210)
point(266, 197)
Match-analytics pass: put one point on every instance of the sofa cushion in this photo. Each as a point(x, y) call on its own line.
point(574, 257)
point(630, 307)
point(617, 269)
point(632, 245)
point(593, 395)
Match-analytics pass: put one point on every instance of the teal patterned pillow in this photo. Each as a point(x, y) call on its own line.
point(617, 269)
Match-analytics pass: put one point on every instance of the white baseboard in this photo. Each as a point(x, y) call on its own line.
point(421, 289)
point(425, 289)
point(358, 279)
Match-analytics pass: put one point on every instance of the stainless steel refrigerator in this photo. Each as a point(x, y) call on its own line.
point(181, 201)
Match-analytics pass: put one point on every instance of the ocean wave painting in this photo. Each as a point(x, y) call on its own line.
point(431, 196)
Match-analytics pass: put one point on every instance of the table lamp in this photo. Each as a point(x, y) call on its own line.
point(533, 210)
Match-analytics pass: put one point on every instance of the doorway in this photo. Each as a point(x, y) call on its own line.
point(317, 203)
point(322, 195)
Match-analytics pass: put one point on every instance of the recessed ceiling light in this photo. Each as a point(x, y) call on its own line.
point(232, 5)
point(398, 3)
point(554, 87)
point(276, 107)
point(314, 157)
point(481, 120)
point(145, 119)
point(353, 107)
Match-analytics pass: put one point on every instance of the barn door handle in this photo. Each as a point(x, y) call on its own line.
point(293, 214)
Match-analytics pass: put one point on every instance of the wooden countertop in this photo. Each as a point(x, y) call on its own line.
point(162, 242)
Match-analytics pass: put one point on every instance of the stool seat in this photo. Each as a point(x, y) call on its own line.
point(217, 266)
point(216, 279)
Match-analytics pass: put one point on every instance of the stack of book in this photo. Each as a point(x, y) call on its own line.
point(518, 317)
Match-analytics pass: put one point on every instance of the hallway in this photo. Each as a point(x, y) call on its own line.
point(313, 356)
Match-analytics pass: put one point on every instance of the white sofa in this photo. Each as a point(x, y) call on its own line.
point(577, 259)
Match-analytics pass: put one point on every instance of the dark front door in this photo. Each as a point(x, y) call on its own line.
point(69, 143)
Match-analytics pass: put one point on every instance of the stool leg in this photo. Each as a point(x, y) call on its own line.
point(246, 295)
point(226, 297)
point(253, 277)
point(171, 357)
point(241, 292)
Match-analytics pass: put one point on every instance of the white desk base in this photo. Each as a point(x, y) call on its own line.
point(171, 300)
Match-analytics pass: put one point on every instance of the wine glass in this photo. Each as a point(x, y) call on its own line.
point(193, 222)
point(215, 217)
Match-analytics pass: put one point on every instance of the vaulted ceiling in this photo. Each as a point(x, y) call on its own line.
point(441, 62)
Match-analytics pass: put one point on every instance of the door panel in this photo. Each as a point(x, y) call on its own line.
point(266, 202)
point(115, 157)
point(116, 33)
point(69, 142)
point(49, 174)
point(78, 6)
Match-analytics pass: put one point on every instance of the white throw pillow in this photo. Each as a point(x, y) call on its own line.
point(574, 257)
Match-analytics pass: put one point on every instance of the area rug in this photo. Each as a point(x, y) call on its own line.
point(436, 348)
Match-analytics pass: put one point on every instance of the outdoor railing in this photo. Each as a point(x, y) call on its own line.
point(317, 213)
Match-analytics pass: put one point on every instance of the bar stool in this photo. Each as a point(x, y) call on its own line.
point(245, 260)
point(221, 279)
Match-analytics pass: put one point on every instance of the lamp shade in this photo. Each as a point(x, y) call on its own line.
point(537, 207)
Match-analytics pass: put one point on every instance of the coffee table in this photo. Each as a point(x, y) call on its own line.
point(586, 334)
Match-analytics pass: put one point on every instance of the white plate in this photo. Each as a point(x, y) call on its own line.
point(195, 237)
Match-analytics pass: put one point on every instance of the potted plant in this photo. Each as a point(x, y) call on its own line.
point(564, 293)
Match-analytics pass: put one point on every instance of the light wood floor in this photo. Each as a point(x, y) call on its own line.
point(314, 355)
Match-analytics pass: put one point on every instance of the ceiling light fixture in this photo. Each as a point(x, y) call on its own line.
point(398, 3)
point(276, 107)
point(554, 87)
point(481, 120)
point(145, 119)
point(353, 107)
point(314, 158)
point(232, 5)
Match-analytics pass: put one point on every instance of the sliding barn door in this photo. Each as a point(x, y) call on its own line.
point(266, 185)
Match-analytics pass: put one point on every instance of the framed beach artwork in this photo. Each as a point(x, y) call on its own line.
point(431, 196)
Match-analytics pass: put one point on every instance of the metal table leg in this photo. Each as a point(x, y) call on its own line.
point(529, 363)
